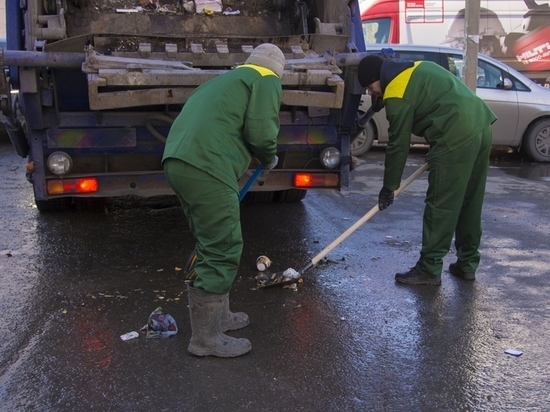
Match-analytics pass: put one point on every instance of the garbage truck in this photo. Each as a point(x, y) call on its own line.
point(90, 89)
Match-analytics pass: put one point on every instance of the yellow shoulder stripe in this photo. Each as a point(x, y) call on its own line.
point(398, 85)
point(262, 70)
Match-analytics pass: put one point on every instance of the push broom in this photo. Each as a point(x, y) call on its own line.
point(290, 275)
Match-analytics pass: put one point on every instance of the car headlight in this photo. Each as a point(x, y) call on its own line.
point(59, 163)
point(330, 157)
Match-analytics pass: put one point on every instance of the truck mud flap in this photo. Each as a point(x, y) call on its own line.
point(17, 137)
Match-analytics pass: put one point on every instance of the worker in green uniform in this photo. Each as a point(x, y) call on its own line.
point(429, 101)
point(225, 123)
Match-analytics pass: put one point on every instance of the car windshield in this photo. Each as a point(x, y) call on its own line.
point(488, 75)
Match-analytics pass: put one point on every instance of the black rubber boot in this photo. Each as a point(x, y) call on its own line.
point(455, 270)
point(230, 320)
point(207, 339)
point(414, 277)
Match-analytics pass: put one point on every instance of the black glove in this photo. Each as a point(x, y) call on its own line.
point(377, 103)
point(385, 198)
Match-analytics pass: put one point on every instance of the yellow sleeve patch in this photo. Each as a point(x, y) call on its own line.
point(398, 85)
point(262, 70)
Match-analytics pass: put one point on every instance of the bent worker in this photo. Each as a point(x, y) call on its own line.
point(224, 124)
point(425, 99)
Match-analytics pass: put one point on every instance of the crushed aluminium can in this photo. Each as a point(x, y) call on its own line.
point(262, 263)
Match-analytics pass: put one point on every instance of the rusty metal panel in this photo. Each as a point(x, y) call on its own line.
point(179, 95)
point(136, 98)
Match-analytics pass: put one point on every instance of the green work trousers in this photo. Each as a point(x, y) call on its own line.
point(212, 210)
point(454, 201)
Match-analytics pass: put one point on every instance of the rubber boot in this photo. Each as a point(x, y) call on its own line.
point(230, 320)
point(207, 339)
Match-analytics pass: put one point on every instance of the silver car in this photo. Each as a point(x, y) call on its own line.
point(521, 105)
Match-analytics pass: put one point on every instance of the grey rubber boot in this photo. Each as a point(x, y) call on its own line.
point(207, 339)
point(230, 320)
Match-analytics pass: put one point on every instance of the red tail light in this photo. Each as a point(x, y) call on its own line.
point(315, 180)
point(85, 185)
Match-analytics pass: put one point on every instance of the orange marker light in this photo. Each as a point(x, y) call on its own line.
point(55, 187)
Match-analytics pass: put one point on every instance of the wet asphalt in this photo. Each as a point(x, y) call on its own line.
point(348, 339)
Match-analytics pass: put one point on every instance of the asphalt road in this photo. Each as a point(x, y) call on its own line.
point(348, 339)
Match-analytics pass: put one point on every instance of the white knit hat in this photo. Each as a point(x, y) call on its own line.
point(269, 56)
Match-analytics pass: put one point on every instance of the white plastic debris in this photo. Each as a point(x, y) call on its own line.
point(231, 12)
point(214, 5)
point(513, 352)
point(129, 335)
point(189, 6)
point(291, 274)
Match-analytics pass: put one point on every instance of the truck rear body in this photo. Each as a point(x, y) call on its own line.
point(98, 86)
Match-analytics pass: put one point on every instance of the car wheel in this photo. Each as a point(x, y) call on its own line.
point(363, 142)
point(536, 142)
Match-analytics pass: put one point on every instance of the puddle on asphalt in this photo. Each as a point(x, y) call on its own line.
point(518, 165)
point(533, 171)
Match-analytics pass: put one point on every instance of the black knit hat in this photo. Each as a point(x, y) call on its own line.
point(369, 70)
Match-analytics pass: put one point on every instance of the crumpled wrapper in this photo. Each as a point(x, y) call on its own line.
point(160, 325)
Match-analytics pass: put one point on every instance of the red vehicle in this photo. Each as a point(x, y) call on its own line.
point(517, 32)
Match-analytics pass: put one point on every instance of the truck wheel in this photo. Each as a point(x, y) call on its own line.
point(90, 204)
point(59, 204)
point(363, 142)
point(280, 5)
point(257, 197)
point(536, 141)
point(18, 138)
point(289, 196)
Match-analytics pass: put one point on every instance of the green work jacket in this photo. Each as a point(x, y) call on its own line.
point(226, 121)
point(427, 100)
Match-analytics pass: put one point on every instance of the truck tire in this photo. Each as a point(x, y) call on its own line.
point(53, 205)
point(289, 196)
point(257, 197)
point(536, 141)
point(90, 204)
point(280, 5)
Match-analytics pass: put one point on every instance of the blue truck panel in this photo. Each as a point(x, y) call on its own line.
point(89, 93)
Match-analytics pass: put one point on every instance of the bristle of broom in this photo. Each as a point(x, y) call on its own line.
point(190, 272)
point(191, 275)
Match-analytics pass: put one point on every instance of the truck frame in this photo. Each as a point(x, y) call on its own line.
point(90, 90)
